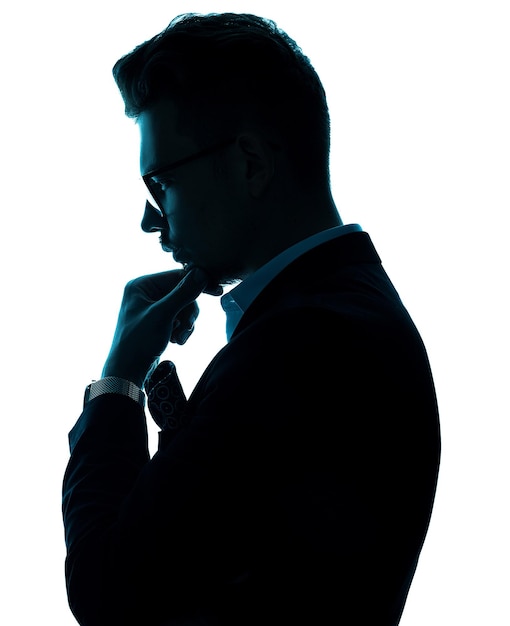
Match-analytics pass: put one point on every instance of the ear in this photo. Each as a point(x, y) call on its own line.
point(258, 162)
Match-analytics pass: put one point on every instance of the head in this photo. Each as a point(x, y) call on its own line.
point(221, 76)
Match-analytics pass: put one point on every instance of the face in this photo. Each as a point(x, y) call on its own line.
point(207, 214)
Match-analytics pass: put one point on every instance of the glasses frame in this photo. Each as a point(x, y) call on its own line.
point(146, 178)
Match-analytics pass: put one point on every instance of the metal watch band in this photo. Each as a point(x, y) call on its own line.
point(112, 384)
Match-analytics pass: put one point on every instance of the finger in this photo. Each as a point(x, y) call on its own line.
point(212, 288)
point(182, 335)
point(157, 286)
point(187, 315)
point(186, 291)
point(152, 287)
point(184, 323)
point(180, 305)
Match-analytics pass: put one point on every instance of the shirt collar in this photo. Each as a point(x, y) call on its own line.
point(238, 299)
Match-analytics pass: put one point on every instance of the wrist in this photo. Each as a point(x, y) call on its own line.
point(114, 385)
point(122, 368)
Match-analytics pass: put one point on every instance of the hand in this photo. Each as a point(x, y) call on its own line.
point(155, 310)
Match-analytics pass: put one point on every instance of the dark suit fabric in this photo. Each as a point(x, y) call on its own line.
point(300, 486)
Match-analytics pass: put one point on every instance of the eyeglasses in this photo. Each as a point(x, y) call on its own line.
point(155, 190)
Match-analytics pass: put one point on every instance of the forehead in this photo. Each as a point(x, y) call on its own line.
point(160, 140)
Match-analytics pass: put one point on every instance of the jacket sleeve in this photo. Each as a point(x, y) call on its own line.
point(109, 449)
point(145, 536)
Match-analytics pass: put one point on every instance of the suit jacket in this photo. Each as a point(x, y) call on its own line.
point(296, 485)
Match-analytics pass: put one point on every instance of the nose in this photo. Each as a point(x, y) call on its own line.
point(152, 221)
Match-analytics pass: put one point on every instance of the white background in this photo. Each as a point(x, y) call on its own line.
point(420, 100)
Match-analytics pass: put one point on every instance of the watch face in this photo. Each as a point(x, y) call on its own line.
point(87, 394)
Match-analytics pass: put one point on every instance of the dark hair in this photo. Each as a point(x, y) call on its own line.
point(230, 72)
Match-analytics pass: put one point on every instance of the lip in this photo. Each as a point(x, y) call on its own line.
point(177, 253)
point(165, 245)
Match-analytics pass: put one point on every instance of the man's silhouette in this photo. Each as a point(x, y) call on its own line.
point(295, 485)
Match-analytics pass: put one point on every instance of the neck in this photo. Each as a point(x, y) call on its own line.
point(301, 218)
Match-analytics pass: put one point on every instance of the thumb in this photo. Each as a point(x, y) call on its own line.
point(190, 287)
point(204, 279)
point(198, 277)
point(184, 293)
point(181, 306)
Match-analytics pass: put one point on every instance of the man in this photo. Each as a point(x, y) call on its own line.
point(296, 483)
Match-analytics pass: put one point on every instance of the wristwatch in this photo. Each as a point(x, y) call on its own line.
point(112, 384)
